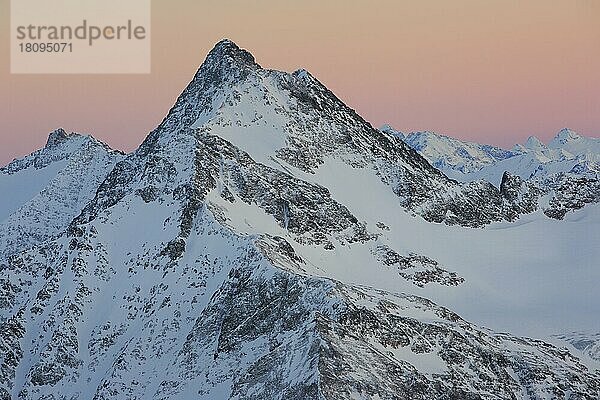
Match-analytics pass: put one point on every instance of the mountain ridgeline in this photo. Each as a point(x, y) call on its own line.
point(557, 178)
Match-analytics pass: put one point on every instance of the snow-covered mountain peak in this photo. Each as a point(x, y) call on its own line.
point(49, 187)
point(225, 67)
point(576, 145)
point(227, 55)
point(263, 242)
point(533, 143)
point(61, 143)
point(58, 136)
point(563, 137)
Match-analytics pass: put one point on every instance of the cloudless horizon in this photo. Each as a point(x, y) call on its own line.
point(492, 72)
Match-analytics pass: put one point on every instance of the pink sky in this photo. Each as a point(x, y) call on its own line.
point(489, 71)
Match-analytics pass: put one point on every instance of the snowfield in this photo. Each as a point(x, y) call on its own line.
point(535, 276)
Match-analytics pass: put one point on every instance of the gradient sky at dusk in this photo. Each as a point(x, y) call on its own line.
point(490, 71)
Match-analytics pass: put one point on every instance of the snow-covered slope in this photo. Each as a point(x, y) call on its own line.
point(577, 145)
point(44, 191)
point(265, 242)
point(588, 344)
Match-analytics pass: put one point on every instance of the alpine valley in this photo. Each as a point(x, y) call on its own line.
point(266, 242)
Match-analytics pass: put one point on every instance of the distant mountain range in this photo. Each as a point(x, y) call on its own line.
point(465, 161)
point(556, 177)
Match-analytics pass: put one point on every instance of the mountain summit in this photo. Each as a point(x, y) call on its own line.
point(564, 136)
point(228, 53)
point(265, 242)
point(57, 136)
point(533, 143)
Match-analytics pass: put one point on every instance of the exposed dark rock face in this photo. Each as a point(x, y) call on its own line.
point(571, 192)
